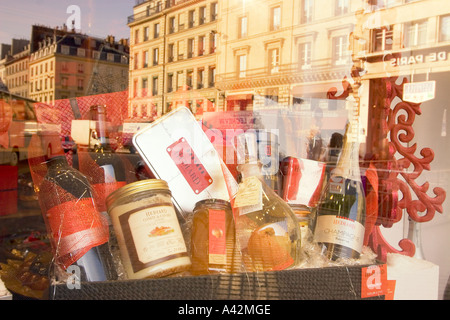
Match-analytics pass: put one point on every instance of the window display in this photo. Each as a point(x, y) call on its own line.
point(271, 146)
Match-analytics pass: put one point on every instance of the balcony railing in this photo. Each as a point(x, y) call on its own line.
point(319, 71)
point(150, 11)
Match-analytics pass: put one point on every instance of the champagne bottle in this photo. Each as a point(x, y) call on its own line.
point(266, 228)
point(78, 232)
point(341, 212)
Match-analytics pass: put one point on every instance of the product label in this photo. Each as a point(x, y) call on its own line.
point(189, 165)
point(152, 235)
point(340, 230)
point(217, 237)
point(76, 227)
point(249, 195)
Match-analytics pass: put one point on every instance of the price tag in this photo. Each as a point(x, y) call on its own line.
point(249, 195)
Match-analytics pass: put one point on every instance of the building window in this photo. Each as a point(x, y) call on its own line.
point(180, 52)
point(170, 82)
point(136, 61)
point(80, 84)
point(275, 18)
point(136, 36)
point(201, 45)
point(171, 24)
point(341, 54)
point(181, 21)
point(212, 42)
point(144, 87)
point(388, 3)
point(65, 49)
point(96, 55)
point(155, 56)
point(214, 11)
point(146, 33)
point(155, 86)
point(242, 27)
point(144, 111)
point(271, 97)
point(170, 52)
point(191, 18)
point(307, 9)
point(242, 65)
point(211, 76)
point(81, 52)
point(341, 7)
point(179, 80)
point(444, 28)
point(304, 55)
point(202, 15)
point(110, 57)
point(64, 83)
point(190, 52)
point(156, 29)
point(80, 68)
point(145, 58)
point(189, 79)
point(415, 33)
point(200, 77)
point(383, 38)
point(274, 60)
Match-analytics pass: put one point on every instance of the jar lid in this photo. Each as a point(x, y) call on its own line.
point(206, 202)
point(136, 187)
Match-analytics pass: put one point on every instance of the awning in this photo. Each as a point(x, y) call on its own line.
point(240, 97)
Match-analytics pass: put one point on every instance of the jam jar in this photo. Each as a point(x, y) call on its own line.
point(148, 232)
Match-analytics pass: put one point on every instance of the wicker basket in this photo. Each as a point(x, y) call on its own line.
point(331, 283)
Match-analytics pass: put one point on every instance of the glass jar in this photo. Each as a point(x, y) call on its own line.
point(148, 232)
point(213, 238)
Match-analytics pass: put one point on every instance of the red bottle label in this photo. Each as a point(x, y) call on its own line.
point(190, 165)
point(76, 227)
point(217, 237)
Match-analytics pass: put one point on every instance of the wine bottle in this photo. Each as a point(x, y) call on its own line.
point(78, 232)
point(341, 212)
point(104, 168)
point(266, 228)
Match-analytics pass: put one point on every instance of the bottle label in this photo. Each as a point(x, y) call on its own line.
point(152, 236)
point(249, 196)
point(217, 237)
point(76, 227)
point(339, 230)
point(190, 166)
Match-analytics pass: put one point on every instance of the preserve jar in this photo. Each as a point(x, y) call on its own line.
point(148, 232)
point(213, 238)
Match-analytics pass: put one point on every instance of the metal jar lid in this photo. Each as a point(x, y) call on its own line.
point(135, 188)
point(212, 202)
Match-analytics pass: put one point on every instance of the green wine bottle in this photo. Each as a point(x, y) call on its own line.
point(341, 212)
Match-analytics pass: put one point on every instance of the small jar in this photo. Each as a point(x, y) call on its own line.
point(213, 238)
point(149, 235)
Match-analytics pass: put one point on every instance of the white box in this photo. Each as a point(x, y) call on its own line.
point(176, 150)
point(415, 279)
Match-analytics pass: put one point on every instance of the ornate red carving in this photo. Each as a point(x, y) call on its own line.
point(391, 132)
